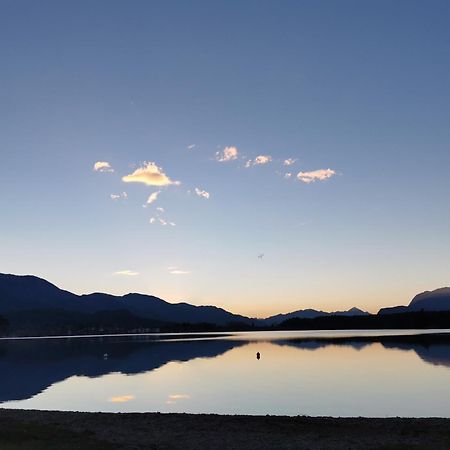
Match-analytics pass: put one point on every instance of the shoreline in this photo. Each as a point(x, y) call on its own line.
point(370, 332)
point(35, 430)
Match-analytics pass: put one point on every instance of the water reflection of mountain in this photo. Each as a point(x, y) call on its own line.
point(27, 367)
point(431, 348)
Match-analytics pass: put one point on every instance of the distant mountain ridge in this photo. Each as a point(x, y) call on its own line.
point(437, 300)
point(27, 293)
point(31, 298)
point(311, 314)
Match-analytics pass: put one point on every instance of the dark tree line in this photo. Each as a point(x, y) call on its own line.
point(57, 322)
point(420, 320)
point(4, 325)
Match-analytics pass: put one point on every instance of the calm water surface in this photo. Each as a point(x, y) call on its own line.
point(338, 373)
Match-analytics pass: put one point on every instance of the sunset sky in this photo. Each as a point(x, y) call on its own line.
point(262, 156)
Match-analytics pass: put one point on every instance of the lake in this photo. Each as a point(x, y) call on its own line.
point(333, 373)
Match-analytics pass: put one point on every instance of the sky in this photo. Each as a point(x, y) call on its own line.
point(261, 156)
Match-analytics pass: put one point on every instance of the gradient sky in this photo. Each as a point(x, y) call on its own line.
point(357, 93)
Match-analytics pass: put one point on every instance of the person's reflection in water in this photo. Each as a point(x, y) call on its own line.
point(258, 355)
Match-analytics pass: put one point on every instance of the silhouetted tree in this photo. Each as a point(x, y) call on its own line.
point(4, 325)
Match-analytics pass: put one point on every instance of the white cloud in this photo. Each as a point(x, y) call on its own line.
point(103, 166)
point(174, 397)
point(227, 154)
point(202, 193)
point(190, 147)
point(178, 396)
point(127, 273)
point(153, 197)
point(164, 222)
point(321, 174)
point(261, 159)
point(121, 399)
point(287, 175)
point(176, 271)
point(123, 195)
point(160, 219)
point(149, 174)
point(289, 162)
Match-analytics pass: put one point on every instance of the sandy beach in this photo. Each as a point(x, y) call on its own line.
point(48, 430)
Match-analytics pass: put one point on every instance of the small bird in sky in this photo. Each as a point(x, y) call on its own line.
point(261, 256)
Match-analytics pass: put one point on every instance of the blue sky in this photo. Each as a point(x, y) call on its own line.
point(357, 93)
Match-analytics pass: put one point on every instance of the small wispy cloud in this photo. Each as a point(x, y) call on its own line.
point(177, 271)
point(122, 196)
point(179, 396)
point(153, 197)
point(289, 162)
point(287, 175)
point(191, 146)
point(164, 222)
point(149, 174)
point(321, 174)
point(261, 159)
point(161, 221)
point(126, 273)
point(103, 166)
point(121, 399)
point(227, 154)
point(173, 398)
point(202, 193)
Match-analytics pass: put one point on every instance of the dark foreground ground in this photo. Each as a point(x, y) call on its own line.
point(41, 430)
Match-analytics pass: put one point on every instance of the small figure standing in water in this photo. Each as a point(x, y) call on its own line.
point(258, 356)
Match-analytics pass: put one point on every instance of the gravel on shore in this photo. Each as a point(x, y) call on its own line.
point(48, 430)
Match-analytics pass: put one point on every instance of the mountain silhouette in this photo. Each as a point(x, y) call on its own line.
point(32, 305)
point(19, 294)
point(437, 300)
point(30, 301)
point(310, 314)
